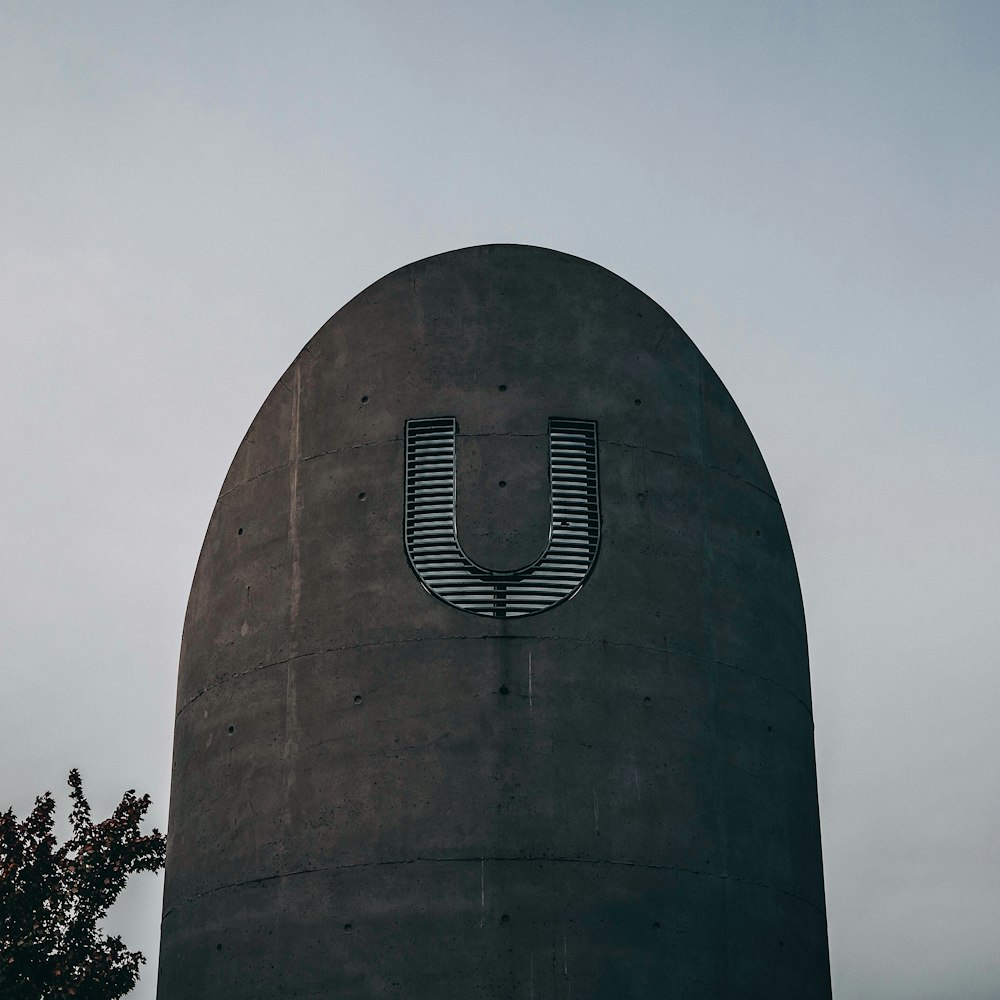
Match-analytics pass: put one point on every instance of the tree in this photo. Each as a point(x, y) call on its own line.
point(52, 898)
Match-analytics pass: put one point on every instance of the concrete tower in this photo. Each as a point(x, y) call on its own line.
point(494, 679)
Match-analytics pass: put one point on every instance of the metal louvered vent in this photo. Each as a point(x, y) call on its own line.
point(431, 526)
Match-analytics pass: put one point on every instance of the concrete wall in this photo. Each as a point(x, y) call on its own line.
point(377, 795)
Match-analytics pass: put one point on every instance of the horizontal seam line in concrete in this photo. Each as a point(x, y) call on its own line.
point(693, 461)
point(648, 866)
point(422, 638)
point(252, 479)
point(614, 444)
point(305, 458)
point(448, 638)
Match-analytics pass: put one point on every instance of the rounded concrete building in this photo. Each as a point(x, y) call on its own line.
point(494, 680)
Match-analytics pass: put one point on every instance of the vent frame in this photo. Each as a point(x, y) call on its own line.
point(430, 523)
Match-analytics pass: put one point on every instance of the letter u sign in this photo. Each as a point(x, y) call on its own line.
point(431, 528)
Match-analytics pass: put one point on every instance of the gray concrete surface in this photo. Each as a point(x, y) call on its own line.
point(377, 795)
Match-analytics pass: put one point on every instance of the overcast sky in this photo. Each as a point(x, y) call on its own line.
point(189, 190)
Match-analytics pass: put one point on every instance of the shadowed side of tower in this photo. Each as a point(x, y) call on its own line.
point(377, 793)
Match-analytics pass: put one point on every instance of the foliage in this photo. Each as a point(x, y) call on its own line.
point(52, 898)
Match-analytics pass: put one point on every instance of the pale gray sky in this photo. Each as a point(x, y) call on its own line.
point(187, 191)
